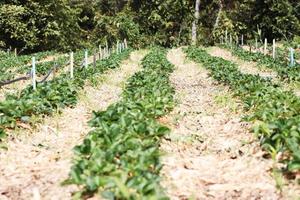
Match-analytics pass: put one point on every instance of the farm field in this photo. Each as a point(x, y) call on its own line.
point(197, 122)
point(150, 100)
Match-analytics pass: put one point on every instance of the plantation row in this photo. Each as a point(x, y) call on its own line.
point(49, 96)
point(275, 112)
point(10, 64)
point(280, 64)
point(120, 157)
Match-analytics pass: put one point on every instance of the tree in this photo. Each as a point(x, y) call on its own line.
point(195, 22)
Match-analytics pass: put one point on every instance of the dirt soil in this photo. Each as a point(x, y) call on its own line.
point(210, 153)
point(37, 161)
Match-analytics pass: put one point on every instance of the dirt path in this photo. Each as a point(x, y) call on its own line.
point(35, 164)
point(210, 153)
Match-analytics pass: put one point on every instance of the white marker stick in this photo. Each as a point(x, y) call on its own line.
point(72, 65)
point(33, 74)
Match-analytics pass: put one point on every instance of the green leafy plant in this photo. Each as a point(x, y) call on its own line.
point(120, 157)
point(274, 111)
point(280, 64)
point(49, 96)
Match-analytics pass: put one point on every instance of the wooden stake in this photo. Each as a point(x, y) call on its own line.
point(16, 52)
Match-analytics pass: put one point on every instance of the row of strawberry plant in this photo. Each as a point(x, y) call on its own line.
point(276, 112)
point(120, 157)
point(11, 63)
point(280, 65)
point(43, 67)
point(49, 96)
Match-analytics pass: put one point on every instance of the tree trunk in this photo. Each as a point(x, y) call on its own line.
point(216, 25)
point(195, 23)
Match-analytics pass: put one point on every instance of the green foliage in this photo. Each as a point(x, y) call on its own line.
point(42, 25)
point(280, 64)
point(276, 19)
point(39, 25)
point(274, 111)
point(114, 27)
point(49, 96)
point(120, 157)
point(11, 64)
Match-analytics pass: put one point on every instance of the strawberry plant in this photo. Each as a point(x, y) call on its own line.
point(280, 64)
point(275, 112)
point(11, 63)
point(49, 96)
point(120, 157)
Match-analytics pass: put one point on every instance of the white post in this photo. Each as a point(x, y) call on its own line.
point(292, 59)
point(274, 48)
point(230, 40)
point(106, 45)
point(94, 58)
point(33, 74)
point(16, 52)
point(86, 59)
point(125, 42)
point(256, 44)
point(100, 53)
point(72, 65)
point(242, 40)
point(237, 40)
point(265, 47)
point(118, 46)
point(226, 36)
point(195, 22)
